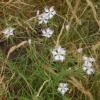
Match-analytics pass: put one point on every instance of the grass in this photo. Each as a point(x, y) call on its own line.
point(29, 73)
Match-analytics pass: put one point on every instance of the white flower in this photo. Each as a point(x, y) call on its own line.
point(50, 12)
point(63, 88)
point(42, 18)
point(79, 50)
point(47, 32)
point(46, 15)
point(58, 53)
point(8, 31)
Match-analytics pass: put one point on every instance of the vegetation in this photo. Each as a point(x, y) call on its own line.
point(27, 70)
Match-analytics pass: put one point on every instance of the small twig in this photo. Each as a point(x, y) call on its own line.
point(58, 38)
point(30, 19)
point(12, 49)
point(40, 89)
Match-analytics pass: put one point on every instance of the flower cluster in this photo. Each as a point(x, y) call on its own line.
point(44, 18)
point(46, 15)
point(58, 53)
point(88, 65)
point(63, 88)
